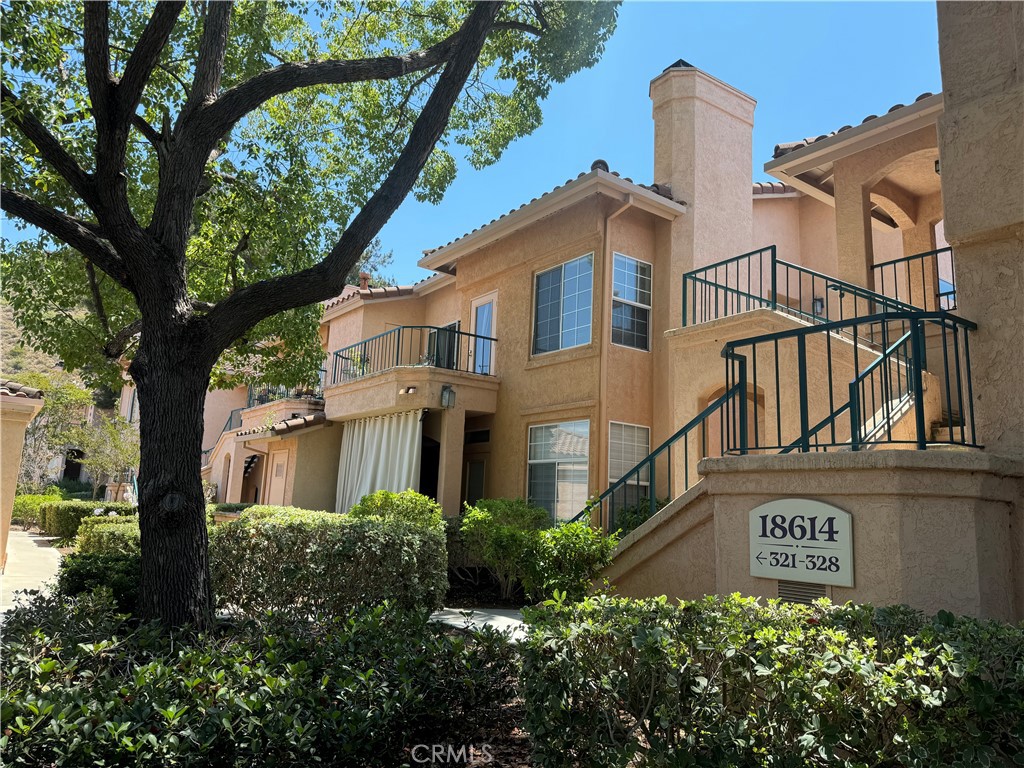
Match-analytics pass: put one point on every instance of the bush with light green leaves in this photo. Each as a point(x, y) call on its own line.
point(407, 506)
point(724, 682)
point(85, 686)
point(303, 564)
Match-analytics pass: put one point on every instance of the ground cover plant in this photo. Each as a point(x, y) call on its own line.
point(87, 686)
point(725, 682)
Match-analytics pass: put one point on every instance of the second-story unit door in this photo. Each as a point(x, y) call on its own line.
point(483, 330)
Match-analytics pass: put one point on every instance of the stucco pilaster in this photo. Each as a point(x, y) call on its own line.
point(15, 415)
point(853, 225)
point(981, 144)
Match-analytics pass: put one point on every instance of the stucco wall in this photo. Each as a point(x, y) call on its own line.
point(314, 481)
point(981, 143)
point(936, 530)
point(15, 415)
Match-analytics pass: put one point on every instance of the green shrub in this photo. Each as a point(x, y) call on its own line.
point(26, 507)
point(502, 533)
point(67, 487)
point(632, 517)
point(109, 536)
point(566, 559)
point(728, 682)
point(407, 506)
point(306, 564)
point(62, 518)
point(118, 571)
point(84, 686)
point(227, 509)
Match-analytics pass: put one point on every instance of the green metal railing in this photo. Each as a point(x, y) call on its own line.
point(640, 488)
point(868, 374)
point(759, 279)
point(856, 380)
point(925, 279)
point(268, 393)
point(415, 345)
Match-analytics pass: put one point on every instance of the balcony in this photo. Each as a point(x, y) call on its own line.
point(268, 393)
point(409, 367)
point(414, 346)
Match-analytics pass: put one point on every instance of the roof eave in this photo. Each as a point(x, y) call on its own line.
point(444, 258)
point(856, 139)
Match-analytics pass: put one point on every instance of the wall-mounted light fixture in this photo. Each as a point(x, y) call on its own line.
point(407, 391)
point(447, 396)
point(819, 306)
point(938, 168)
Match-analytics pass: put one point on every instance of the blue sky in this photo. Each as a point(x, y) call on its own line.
point(812, 67)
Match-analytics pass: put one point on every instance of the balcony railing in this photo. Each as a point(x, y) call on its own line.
point(761, 279)
point(268, 393)
point(927, 280)
point(412, 346)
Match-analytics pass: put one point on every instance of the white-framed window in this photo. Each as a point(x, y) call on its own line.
point(483, 320)
point(631, 302)
point(557, 467)
point(628, 445)
point(563, 300)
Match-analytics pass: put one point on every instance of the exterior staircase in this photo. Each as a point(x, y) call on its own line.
point(868, 371)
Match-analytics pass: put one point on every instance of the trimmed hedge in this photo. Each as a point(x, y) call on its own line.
point(27, 506)
point(86, 687)
point(227, 509)
point(62, 518)
point(109, 536)
point(304, 564)
point(728, 682)
point(117, 571)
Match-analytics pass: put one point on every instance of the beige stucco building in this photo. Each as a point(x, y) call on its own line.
point(686, 351)
point(18, 406)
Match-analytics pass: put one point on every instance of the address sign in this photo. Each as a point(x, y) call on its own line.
point(802, 540)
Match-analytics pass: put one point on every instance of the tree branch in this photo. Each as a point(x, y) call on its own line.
point(216, 119)
point(81, 236)
point(97, 297)
point(246, 307)
point(49, 147)
point(519, 26)
point(210, 62)
point(116, 346)
point(96, 51)
point(152, 134)
point(146, 54)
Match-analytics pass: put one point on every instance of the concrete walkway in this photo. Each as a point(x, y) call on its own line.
point(31, 563)
point(504, 620)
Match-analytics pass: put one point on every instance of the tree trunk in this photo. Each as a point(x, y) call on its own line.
point(171, 385)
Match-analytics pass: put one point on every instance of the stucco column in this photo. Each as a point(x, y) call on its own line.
point(853, 227)
point(233, 493)
point(449, 474)
point(981, 145)
point(15, 415)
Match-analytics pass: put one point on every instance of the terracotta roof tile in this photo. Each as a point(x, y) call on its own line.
point(14, 389)
point(772, 188)
point(663, 190)
point(792, 146)
point(288, 425)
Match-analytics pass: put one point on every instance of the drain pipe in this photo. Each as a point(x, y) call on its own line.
point(606, 333)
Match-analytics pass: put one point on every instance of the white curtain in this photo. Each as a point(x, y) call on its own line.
point(381, 453)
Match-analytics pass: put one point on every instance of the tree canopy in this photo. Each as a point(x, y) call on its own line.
point(294, 150)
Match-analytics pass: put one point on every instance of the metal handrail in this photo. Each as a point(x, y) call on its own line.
point(412, 346)
point(944, 299)
point(633, 478)
point(909, 354)
point(713, 298)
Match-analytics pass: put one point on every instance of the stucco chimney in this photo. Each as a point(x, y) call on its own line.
point(702, 148)
point(364, 280)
